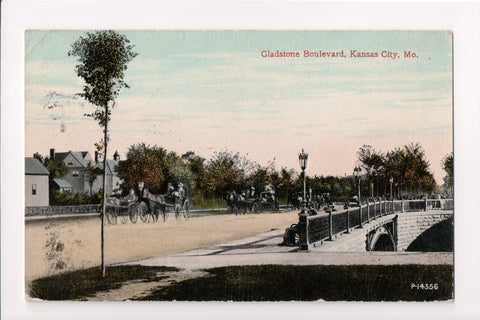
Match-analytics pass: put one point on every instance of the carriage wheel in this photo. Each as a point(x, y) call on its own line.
point(123, 218)
point(143, 212)
point(177, 212)
point(134, 214)
point(255, 208)
point(186, 210)
point(111, 216)
point(277, 208)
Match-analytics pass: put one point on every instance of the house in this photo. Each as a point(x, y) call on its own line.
point(36, 183)
point(76, 163)
point(76, 179)
point(113, 181)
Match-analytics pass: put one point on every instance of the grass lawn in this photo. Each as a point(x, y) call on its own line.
point(310, 283)
point(81, 284)
point(267, 283)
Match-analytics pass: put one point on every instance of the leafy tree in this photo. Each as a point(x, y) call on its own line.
point(409, 168)
point(58, 169)
point(92, 172)
point(178, 171)
point(373, 163)
point(102, 60)
point(103, 57)
point(145, 163)
point(226, 172)
point(447, 166)
point(260, 178)
point(285, 185)
point(196, 164)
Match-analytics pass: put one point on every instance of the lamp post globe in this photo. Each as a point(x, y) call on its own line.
point(303, 159)
point(356, 173)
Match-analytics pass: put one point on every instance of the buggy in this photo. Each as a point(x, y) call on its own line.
point(267, 201)
point(148, 209)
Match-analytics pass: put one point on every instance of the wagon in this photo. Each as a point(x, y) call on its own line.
point(122, 211)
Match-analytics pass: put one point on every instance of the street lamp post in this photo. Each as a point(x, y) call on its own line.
point(302, 225)
point(302, 159)
point(356, 173)
point(391, 182)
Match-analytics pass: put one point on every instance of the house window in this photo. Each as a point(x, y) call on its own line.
point(34, 189)
point(75, 173)
point(70, 163)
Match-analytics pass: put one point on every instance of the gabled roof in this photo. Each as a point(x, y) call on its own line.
point(79, 156)
point(35, 167)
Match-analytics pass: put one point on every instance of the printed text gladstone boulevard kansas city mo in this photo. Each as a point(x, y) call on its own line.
point(338, 54)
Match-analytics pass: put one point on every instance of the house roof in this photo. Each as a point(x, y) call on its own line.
point(35, 167)
point(111, 164)
point(62, 183)
point(79, 156)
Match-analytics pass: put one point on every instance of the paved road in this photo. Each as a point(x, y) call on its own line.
point(59, 245)
point(265, 249)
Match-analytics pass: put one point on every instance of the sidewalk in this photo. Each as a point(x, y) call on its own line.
point(265, 249)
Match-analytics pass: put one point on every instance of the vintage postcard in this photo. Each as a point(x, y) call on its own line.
point(208, 165)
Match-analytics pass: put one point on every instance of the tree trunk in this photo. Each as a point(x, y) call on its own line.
point(104, 202)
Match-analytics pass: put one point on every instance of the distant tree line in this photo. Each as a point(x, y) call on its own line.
point(228, 171)
point(224, 172)
point(406, 167)
point(207, 179)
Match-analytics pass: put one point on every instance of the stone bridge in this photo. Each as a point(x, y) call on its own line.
point(375, 226)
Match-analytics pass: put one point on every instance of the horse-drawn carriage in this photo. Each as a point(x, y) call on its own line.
point(240, 204)
point(148, 207)
point(268, 201)
point(257, 203)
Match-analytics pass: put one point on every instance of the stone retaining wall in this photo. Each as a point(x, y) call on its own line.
point(413, 224)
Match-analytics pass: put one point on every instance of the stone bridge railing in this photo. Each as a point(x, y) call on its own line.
point(324, 226)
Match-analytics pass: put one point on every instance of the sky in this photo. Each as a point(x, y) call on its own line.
point(208, 91)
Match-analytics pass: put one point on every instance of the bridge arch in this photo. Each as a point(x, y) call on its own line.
point(381, 239)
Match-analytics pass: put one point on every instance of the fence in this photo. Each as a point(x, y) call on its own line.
point(314, 229)
point(49, 211)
